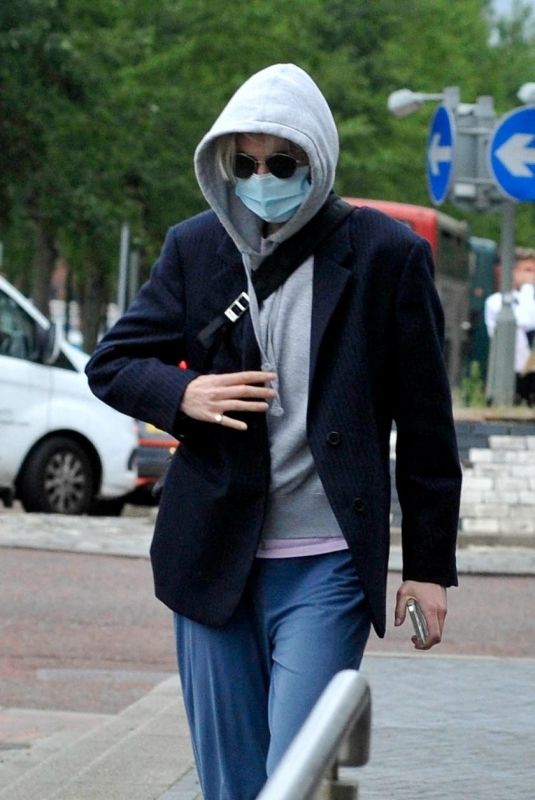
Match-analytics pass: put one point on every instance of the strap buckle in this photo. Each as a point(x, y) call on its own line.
point(238, 307)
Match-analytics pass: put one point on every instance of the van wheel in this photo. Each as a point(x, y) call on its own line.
point(57, 478)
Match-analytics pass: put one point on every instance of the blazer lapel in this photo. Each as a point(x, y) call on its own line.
point(224, 280)
point(330, 280)
point(228, 277)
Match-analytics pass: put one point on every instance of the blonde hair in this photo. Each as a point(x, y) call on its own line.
point(225, 150)
point(524, 253)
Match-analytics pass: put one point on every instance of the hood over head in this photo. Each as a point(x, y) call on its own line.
point(281, 100)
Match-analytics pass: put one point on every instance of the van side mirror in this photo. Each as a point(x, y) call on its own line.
point(51, 343)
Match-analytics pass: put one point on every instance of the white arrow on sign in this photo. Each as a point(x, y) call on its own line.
point(515, 154)
point(438, 154)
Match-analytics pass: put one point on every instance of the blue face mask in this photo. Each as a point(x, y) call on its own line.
point(274, 199)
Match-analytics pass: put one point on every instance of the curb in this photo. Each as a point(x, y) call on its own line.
point(138, 755)
point(131, 536)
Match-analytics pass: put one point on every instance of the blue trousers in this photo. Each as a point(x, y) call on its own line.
point(249, 685)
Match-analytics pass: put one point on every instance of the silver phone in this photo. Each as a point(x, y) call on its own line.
point(419, 622)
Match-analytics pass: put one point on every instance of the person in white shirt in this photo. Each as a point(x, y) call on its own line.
point(523, 309)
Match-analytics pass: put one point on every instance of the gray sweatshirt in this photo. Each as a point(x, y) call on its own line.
point(281, 100)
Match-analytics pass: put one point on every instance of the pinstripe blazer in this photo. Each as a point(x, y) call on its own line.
point(376, 356)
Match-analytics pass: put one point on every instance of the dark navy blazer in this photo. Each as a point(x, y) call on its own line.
point(376, 356)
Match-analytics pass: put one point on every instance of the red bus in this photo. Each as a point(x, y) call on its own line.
point(449, 240)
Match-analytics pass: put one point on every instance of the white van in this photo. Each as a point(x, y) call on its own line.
point(61, 450)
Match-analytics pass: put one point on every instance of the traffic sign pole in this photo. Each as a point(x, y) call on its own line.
point(501, 374)
point(122, 283)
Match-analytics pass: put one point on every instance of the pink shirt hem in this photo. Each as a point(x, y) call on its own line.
point(292, 548)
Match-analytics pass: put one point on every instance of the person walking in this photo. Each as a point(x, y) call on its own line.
point(523, 305)
point(305, 331)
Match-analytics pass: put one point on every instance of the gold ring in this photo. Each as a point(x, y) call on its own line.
point(219, 418)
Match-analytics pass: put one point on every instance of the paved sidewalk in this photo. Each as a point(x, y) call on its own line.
point(450, 729)
point(443, 728)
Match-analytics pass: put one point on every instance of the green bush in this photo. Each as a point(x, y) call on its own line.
point(473, 386)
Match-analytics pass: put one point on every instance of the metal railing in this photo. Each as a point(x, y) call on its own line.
point(336, 733)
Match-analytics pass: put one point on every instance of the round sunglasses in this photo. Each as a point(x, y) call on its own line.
point(281, 165)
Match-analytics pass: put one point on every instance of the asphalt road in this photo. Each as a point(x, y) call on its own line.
point(84, 632)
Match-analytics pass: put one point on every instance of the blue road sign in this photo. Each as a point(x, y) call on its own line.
point(440, 150)
point(512, 154)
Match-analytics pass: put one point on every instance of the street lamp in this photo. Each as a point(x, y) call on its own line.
point(526, 93)
point(403, 102)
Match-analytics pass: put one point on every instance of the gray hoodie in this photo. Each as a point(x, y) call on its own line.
point(284, 101)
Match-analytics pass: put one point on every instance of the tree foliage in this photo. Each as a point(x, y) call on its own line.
point(102, 103)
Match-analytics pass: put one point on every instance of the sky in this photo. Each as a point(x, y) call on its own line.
point(505, 6)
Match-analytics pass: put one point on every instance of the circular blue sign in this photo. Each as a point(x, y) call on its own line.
point(440, 150)
point(512, 154)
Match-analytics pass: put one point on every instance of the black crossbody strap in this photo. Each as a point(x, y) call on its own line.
point(218, 325)
point(280, 264)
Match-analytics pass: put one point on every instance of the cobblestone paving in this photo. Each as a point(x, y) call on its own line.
point(450, 728)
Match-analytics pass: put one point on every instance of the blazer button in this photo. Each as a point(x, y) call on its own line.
point(334, 438)
point(359, 504)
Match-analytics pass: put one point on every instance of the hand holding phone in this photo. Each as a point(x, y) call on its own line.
point(419, 623)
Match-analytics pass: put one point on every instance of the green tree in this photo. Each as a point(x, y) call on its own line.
point(102, 103)
point(36, 82)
